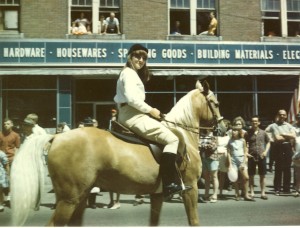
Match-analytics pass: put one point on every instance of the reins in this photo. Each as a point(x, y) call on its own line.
point(191, 128)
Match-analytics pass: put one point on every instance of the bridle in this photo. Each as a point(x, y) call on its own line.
point(195, 130)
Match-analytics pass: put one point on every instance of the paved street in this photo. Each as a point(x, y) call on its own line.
point(276, 211)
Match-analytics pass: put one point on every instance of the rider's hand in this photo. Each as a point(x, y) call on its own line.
point(155, 113)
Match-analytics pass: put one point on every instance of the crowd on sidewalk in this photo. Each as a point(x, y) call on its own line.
point(232, 160)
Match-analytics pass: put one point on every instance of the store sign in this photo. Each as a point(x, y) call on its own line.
point(160, 53)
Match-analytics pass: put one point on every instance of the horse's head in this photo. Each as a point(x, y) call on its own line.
point(210, 116)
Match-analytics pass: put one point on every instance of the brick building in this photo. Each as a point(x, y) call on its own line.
point(251, 62)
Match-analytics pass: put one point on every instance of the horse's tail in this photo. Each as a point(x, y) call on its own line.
point(27, 177)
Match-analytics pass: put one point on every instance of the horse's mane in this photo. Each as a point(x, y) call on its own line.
point(182, 111)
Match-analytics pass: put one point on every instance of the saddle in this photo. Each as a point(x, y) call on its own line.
point(125, 134)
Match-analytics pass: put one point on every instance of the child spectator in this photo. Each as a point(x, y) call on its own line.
point(238, 158)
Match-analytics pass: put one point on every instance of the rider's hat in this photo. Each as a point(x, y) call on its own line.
point(137, 47)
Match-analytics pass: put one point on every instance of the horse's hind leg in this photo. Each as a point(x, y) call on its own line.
point(77, 217)
point(156, 205)
point(62, 214)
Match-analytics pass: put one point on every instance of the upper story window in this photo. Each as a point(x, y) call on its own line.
point(87, 15)
point(9, 15)
point(281, 17)
point(192, 17)
point(105, 9)
point(293, 17)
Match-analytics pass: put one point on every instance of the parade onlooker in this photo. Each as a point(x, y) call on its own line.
point(283, 133)
point(210, 165)
point(102, 25)
point(222, 142)
point(37, 130)
point(238, 158)
point(114, 203)
point(259, 144)
point(212, 27)
point(62, 127)
point(112, 24)
point(271, 153)
point(80, 25)
point(4, 179)
point(176, 30)
point(10, 140)
point(297, 151)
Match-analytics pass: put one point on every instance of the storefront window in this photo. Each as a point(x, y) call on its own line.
point(235, 83)
point(277, 83)
point(17, 104)
point(93, 90)
point(266, 107)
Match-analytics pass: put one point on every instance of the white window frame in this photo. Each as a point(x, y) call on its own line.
point(192, 5)
point(96, 7)
point(283, 9)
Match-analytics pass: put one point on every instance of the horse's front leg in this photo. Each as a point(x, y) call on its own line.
point(190, 200)
point(156, 205)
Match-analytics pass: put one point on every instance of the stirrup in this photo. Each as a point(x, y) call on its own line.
point(173, 189)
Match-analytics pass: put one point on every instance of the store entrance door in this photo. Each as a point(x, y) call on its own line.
point(102, 113)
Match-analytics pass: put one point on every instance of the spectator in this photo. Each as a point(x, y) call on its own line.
point(27, 128)
point(102, 25)
point(176, 30)
point(62, 127)
point(4, 179)
point(114, 204)
point(10, 143)
point(210, 165)
point(112, 25)
point(222, 142)
point(297, 150)
point(89, 122)
point(271, 150)
point(238, 158)
point(212, 25)
point(10, 140)
point(37, 130)
point(240, 123)
point(259, 144)
point(282, 133)
point(80, 25)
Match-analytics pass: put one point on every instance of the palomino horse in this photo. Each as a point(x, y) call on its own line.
point(87, 157)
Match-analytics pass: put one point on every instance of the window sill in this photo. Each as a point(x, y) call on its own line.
point(194, 37)
point(280, 39)
point(8, 34)
point(97, 36)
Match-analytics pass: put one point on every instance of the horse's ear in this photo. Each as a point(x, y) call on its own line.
point(199, 86)
point(206, 87)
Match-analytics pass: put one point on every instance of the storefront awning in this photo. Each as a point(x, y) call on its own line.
point(113, 72)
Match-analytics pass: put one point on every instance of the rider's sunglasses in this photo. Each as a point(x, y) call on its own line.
point(140, 55)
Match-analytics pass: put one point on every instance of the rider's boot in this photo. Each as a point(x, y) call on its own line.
point(168, 171)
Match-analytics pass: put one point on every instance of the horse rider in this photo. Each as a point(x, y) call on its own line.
point(142, 118)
